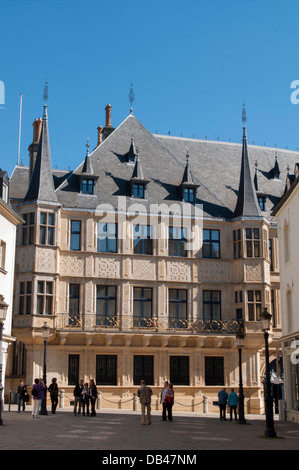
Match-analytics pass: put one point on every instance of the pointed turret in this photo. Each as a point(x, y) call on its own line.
point(87, 167)
point(41, 187)
point(132, 153)
point(87, 177)
point(188, 186)
point(247, 203)
point(138, 182)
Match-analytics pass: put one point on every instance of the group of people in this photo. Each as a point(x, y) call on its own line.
point(85, 395)
point(231, 400)
point(166, 399)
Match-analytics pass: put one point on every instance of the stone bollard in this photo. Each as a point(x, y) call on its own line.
point(99, 401)
point(205, 404)
point(61, 398)
point(135, 402)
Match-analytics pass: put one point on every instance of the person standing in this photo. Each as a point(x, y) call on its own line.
point(22, 393)
point(222, 402)
point(93, 395)
point(233, 403)
point(145, 395)
point(53, 389)
point(85, 399)
point(78, 397)
point(169, 400)
point(38, 393)
point(162, 400)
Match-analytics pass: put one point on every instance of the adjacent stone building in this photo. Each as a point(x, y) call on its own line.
point(146, 261)
point(8, 228)
point(286, 213)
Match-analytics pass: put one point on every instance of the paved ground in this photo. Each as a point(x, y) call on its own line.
point(120, 430)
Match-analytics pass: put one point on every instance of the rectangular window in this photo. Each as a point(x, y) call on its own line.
point(254, 304)
point(28, 229)
point(87, 186)
point(144, 369)
point(177, 242)
point(189, 194)
point(177, 317)
point(25, 298)
point(46, 228)
point(107, 238)
point(143, 244)
point(138, 190)
point(179, 370)
point(74, 304)
point(73, 369)
point(44, 303)
point(262, 202)
point(106, 370)
point(142, 308)
point(237, 244)
point(211, 305)
point(211, 244)
point(106, 306)
point(273, 308)
point(2, 254)
point(253, 243)
point(75, 235)
point(271, 253)
point(214, 371)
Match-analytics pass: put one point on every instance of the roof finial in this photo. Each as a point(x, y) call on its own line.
point(244, 114)
point(187, 157)
point(87, 146)
point(46, 92)
point(131, 98)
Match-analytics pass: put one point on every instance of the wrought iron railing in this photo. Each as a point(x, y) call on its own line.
point(133, 323)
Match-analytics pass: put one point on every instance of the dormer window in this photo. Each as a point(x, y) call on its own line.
point(262, 202)
point(189, 194)
point(87, 178)
point(4, 186)
point(87, 186)
point(188, 187)
point(138, 190)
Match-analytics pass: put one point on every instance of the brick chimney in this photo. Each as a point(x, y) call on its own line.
point(108, 115)
point(37, 128)
point(108, 129)
point(100, 135)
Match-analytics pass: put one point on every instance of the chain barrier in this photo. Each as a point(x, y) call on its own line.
point(252, 408)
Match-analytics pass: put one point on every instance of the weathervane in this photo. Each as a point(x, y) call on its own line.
point(244, 115)
point(46, 92)
point(131, 98)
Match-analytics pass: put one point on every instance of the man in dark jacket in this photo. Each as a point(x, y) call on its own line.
point(222, 402)
point(78, 397)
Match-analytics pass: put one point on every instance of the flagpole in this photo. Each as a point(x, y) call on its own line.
point(19, 147)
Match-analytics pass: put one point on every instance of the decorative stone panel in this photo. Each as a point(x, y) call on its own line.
point(179, 271)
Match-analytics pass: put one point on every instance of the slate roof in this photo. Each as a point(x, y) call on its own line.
point(215, 168)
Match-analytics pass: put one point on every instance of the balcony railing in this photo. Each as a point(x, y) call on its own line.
point(125, 323)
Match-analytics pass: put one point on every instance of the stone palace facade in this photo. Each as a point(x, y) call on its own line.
point(146, 261)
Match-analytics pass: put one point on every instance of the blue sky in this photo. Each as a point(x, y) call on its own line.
point(192, 64)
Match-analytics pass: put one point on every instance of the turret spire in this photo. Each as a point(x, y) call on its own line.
point(247, 203)
point(41, 187)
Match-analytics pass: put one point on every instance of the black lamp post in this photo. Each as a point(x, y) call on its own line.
point(46, 334)
point(266, 325)
point(240, 345)
point(3, 312)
